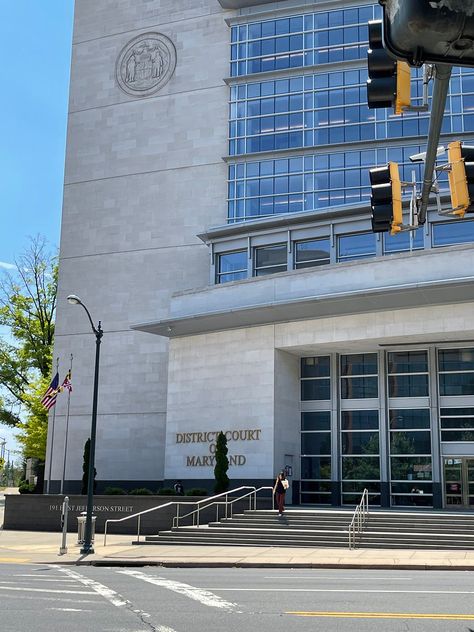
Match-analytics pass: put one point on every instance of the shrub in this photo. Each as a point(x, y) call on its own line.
point(141, 491)
point(166, 491)
point(196, 491)
point(114, 491)
point(26, 488)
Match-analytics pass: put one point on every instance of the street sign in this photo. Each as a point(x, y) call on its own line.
point(430, 31)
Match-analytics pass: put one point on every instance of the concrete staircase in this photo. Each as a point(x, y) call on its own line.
point(329, 528)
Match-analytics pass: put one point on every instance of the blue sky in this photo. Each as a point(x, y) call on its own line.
point(35, 48)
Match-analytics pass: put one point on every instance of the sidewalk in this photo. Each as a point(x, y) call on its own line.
point(39, 547)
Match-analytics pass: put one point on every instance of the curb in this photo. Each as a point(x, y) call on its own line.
point(295, 565)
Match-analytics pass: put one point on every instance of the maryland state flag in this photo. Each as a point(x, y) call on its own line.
point(49, 398)
point(67, 382)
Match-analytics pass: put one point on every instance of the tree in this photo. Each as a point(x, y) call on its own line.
point(222, 465)
point(27, 309)
point(85, 468)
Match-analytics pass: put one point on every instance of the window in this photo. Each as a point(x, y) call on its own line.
point(410, 456)
point(315, 378)
point(270, 259)
point(315, 252)
point(316, 457)
point(453, 232)
point(408, 374)
point(457, 424)
point(456, 372)
point(359, 376)
point(299, 41)
point(358, 246)
point(403, 242)
point(232, 266)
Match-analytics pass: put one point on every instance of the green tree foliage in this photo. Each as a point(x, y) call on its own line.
point(85, 468)
point(222, 465)
point(27, 310)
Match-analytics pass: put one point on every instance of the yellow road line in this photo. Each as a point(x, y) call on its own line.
point(384, 615)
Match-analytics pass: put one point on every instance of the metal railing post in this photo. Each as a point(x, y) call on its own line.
point(139, 526)
point(177, 514)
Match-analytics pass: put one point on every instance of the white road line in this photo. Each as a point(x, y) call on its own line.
point(47, 590)
point(205, 597)
point(163, 628)
point(41, 579)
point(344, 590)
point(97, 588)
point(70, 609)
point(60, 599)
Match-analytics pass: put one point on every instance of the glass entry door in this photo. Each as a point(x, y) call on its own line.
point(459, 482)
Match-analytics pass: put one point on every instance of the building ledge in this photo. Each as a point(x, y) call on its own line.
point(431, 277)
point(242, 4)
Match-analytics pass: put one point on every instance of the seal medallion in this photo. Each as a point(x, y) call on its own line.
point(146, 64)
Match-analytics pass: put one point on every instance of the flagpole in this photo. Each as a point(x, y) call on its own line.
point(52, 438)
point(67, 428)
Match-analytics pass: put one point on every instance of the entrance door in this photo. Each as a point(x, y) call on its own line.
point(459, 482)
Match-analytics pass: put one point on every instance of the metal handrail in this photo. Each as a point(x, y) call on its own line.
point(252, 494)
point(359, 518)
point(174, 502)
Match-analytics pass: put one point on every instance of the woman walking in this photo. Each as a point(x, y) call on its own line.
point(279, 489)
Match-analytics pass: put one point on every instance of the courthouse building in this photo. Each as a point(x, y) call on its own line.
point(216, 220)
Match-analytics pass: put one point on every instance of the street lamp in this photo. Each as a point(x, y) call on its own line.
point(87, 544)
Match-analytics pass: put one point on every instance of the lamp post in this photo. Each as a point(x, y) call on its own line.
point(87, 545)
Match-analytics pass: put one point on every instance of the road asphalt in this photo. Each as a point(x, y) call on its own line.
point(41, 547)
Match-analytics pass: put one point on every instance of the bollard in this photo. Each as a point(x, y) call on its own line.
point(64, 512)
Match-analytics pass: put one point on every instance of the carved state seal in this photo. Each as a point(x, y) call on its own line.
point(146, 64)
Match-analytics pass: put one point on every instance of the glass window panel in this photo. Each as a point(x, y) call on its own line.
point(409, 418)
point(418, 442)
point(270, 255)
point(361, 468)
point(456, 359)
point(359, 387)
point(316, 486)
point(319, 420)
point(360, 442)
point(456, 384)
point(408, 385)
point(359, 419)
point(315, 467)
point(453, 232)
point(315, 367)
point(233, 261)
point(359, 364)
point(312, 253)
point(315, 390)
point(356, 246)
point(316, 443)
point(412, 240)
point(457, 435)
point(405, 468)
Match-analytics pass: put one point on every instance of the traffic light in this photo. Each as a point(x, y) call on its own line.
point(428, 31)
point(386, 199)
point(388, 84)
point(461, 177)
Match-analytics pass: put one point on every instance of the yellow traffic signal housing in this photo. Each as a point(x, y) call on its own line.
point(403, 98)
point(389, 82)
point(461, 177)
point(386, 199)
point(397, 217)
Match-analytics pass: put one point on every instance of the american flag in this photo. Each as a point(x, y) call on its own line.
point(67, 383)
point(49, 398)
